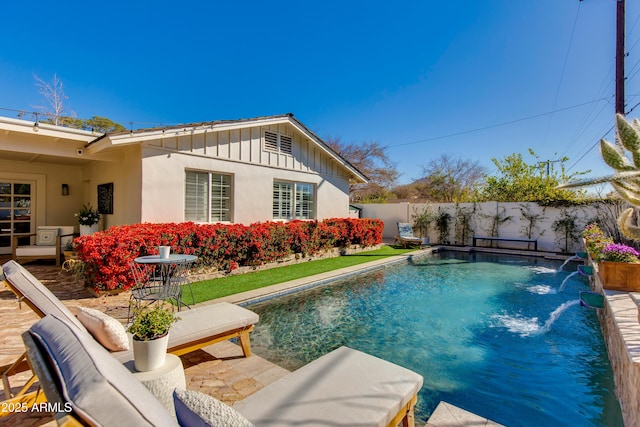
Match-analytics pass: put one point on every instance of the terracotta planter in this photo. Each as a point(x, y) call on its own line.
point(620, 276)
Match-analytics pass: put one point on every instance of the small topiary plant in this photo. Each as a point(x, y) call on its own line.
point(151, 323)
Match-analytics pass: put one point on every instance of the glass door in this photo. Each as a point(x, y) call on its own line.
point(16, 208)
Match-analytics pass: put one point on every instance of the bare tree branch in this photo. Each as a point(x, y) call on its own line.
point(53, 94)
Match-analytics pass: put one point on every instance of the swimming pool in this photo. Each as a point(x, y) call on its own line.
point(479, 328)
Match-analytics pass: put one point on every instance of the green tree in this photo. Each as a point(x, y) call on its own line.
point(102, 124)
point(518, 181)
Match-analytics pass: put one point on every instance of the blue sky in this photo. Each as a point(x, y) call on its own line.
point(475, 79)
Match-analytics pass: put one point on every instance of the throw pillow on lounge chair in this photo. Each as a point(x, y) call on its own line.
point(104, 328)
point(198, 409)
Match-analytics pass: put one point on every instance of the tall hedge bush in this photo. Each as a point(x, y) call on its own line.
point(107, 255)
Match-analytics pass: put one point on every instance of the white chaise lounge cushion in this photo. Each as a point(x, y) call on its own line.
point(205, 321)
point(35, 250)
point(343, 388)
point(100, 389)
point(37, 293)
point(201, 323)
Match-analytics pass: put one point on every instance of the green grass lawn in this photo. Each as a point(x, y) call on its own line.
point(229, 285)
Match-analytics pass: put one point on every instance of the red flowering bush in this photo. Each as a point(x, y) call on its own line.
point(107, 255)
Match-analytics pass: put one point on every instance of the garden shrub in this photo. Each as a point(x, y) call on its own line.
point(107, 255)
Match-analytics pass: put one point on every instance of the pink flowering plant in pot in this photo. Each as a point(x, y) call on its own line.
point(619, 268)
point(620, 253)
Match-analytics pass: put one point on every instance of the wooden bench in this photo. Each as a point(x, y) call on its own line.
point(507, 239)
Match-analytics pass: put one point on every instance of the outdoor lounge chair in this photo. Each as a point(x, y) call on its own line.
point(49, 241)
point(343, 388)
point(405, 235)
point(197, 328)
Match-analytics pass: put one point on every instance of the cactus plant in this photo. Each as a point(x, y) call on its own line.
point(626, 180)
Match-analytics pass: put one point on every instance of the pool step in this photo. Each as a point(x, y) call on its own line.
point(448, 415)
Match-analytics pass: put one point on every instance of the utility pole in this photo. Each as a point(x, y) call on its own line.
point(548, 163)
point(620, 55)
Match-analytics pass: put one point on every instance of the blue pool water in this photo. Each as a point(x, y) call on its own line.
point(492, 335)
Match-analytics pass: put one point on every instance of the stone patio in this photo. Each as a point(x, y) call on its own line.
point(219, 370)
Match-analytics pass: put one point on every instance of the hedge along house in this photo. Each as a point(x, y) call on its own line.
point(237, 171)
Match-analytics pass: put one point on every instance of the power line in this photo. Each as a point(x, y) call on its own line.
point(589, 150)
point(435, 138)
point(598, 140)
point(564, 66)
point(22, 113)
point(585, 125)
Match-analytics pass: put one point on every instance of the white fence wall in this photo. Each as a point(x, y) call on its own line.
point(482, 217)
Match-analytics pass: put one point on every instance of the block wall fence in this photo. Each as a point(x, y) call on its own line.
point(511, 218)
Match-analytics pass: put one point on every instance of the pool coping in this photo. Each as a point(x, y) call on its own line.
point(619, 322)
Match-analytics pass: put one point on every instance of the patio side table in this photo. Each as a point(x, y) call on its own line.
point(163, 381)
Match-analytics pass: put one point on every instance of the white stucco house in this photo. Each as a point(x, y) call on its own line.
point(235, 171)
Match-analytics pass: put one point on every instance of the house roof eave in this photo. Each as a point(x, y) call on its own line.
point(142, 135)
point(357, 176)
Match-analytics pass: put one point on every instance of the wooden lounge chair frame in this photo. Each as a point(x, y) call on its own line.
point(406, 238)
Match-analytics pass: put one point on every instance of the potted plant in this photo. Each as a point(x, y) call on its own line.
point(619, 268)
point(69, 252)
point(421, 222)
point(595, 241)
point(150, 329)
point(88, 218)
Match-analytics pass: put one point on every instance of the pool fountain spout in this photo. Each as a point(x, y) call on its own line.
point(571, 258)
point(555, 315)
point(566, 279)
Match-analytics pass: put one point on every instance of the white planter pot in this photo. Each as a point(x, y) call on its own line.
point(88, 229)
point(150, 355)
point(425, 241)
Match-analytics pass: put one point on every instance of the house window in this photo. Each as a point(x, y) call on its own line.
point(207, 197)
point(277, 142)
point(293, 200)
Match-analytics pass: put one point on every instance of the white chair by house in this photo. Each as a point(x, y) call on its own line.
point(48, 243)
